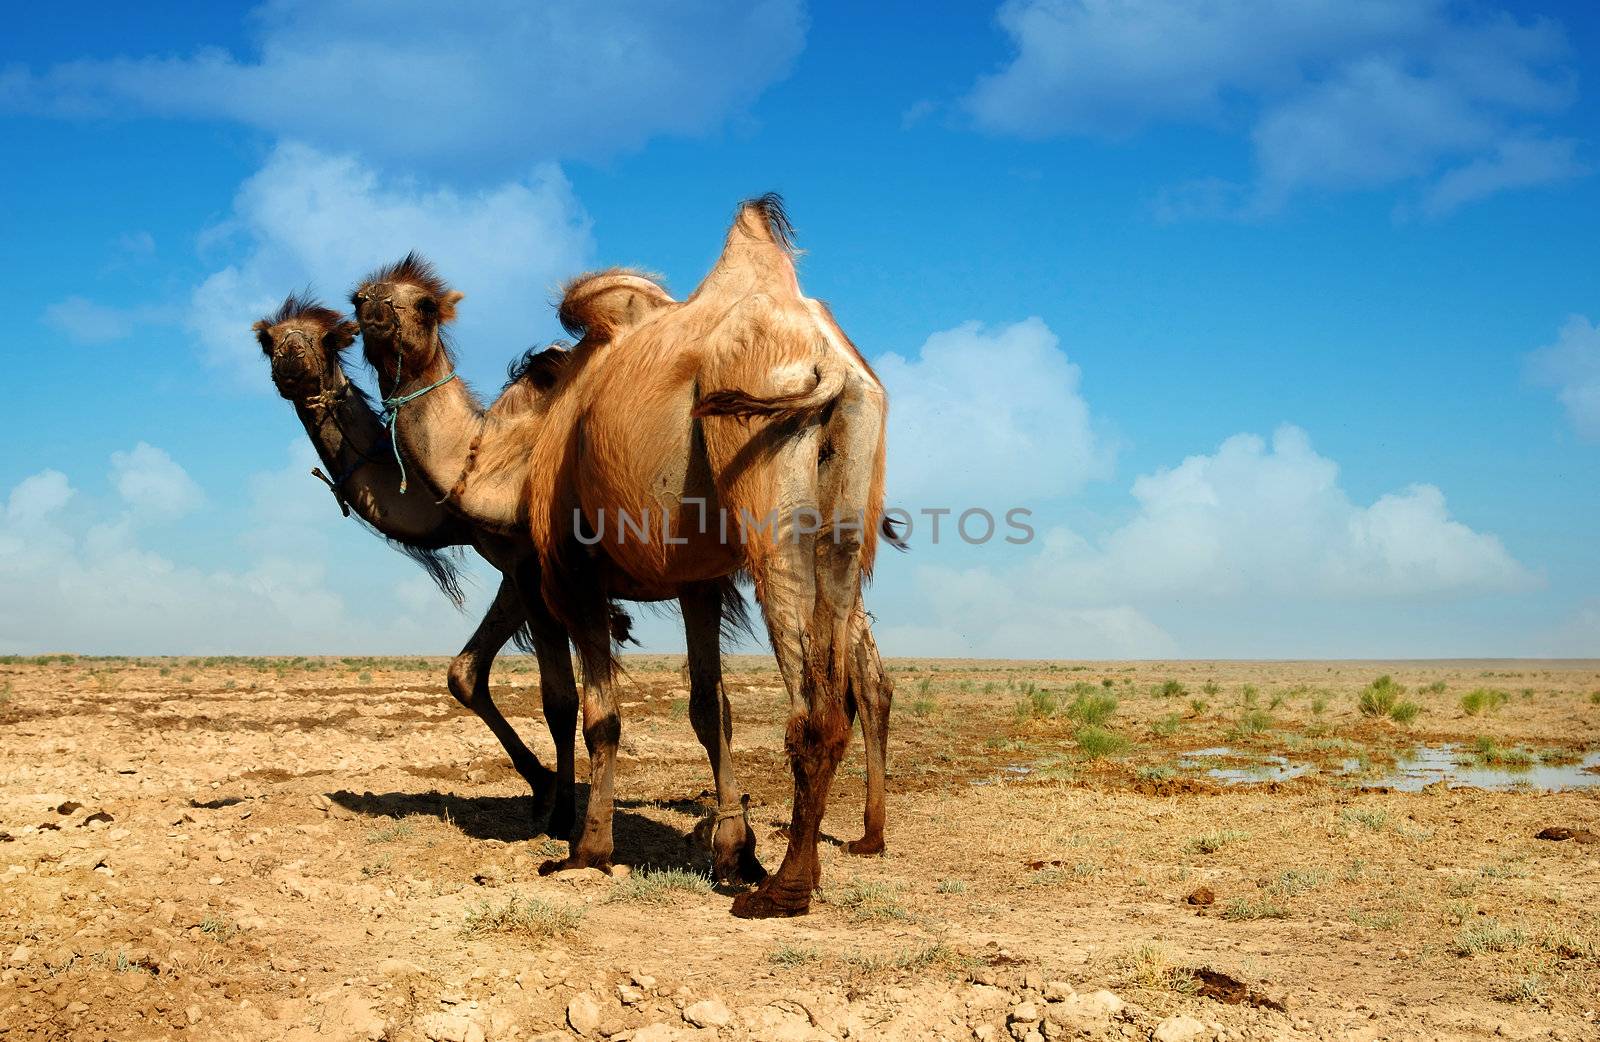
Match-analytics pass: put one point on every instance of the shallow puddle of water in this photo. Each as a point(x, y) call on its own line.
point(1421, 767)
point(1234, 767)
point(1010, 772)
point(1453, 765)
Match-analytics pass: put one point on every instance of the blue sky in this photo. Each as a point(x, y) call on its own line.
point(1280, 317)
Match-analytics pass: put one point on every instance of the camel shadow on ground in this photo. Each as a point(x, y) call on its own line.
point(509, 819)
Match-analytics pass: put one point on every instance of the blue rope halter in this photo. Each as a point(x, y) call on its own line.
point(391, 413)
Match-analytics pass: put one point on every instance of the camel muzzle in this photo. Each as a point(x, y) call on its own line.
point(377, 313)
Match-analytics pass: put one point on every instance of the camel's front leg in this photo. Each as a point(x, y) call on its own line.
point(468, 679)
point(602, 731)
point(733, 843)
point(872, 693)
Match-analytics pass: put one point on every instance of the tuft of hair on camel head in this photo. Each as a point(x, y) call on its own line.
point(306, 311)
point(433, 296)
point(768, 214)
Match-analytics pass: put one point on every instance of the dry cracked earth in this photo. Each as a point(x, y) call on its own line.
point(323, 850)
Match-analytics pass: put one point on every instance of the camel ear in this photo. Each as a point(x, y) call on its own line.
point(263, 330)
point(340, 336)
point(447, 305)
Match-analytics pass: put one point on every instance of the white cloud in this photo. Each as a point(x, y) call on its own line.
point(1258, 519)
point(1515, 163)
point(88, 322)
point(988, 418)
point(464, 87)
point(308, 217)
point(153, 485)
point(1572, 366)
point(78, 580)
point(1340, 95)
point(1254, 525)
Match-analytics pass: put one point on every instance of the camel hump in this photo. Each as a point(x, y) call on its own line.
point(601, 305)
point(758, 254)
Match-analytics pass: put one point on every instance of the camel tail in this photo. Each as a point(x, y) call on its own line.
point(738, 404)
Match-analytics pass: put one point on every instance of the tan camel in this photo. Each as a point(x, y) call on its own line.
point(786, 459)
point(304, 343)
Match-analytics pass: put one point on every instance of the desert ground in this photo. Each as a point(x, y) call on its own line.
point(328, 849)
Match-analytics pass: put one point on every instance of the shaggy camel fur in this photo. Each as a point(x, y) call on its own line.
point(304, 343)
point(745, 403)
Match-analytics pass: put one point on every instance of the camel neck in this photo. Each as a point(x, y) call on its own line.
point(437, 434)
point(353, 446)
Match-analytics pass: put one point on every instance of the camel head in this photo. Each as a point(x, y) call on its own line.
point(302, 340)
point(402, 309)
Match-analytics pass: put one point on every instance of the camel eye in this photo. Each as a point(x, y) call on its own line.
point(428, 306)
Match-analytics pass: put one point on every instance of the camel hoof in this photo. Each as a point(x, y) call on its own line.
point(770, 902)
point(865, 846)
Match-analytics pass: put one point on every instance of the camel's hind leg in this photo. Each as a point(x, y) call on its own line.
point(733, 844)
point(468, 680)
point(816, 630)
point(871, 692)
point(559, 693)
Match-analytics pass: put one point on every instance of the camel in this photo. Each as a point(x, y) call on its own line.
point(747, 402)
point(304, 342)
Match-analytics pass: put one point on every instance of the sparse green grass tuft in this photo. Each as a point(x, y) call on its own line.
point(1295, 881)
point(1098, 743)
point(1380, 697)
point(1244, 909)
point(1170, 689)
point(658, 886)
point(950, 886)
point(1405, 711)
point(399, 830)
point(1167, 726)
point(1250, 722)
point(525, 916)
point(217, 929)
point(1151, 968)
point(793, 955)
point(1488, 936)
point(1370, 817)
point(1036, 703)
point(1483, 700)
point(1091, 708)
point(1198, 706)
point(1384, 920)
point(1528, 989)
point(1211, 842)
point(1487, 752)
point(867, 902)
